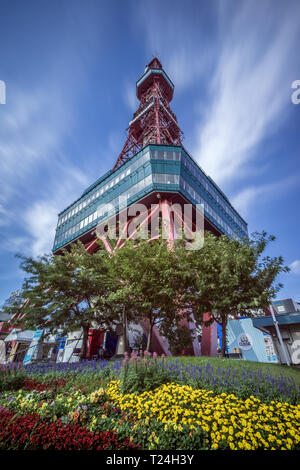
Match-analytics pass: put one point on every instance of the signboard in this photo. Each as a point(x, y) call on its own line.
point(244, 341)
point(32, 347)
point(285, 306)
point(2, 352)
point(270, 351)
point(253, 343)
point(13, 351)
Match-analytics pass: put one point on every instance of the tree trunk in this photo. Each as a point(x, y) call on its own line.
point(224, 336)
point(125, 329)
point(149, 339)
point(83, 353)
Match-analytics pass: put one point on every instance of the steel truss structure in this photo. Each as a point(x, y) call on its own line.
point(154, 122)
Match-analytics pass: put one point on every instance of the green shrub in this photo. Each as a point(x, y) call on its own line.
point(141, 374)
point(11, 380)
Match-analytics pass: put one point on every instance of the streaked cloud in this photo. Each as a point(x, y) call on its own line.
point(40, 219)
point(32, 129)
point(129, 95)
point(239, 60)
point(5, 216)
point(186, 44)
point(295, 267)
point(249, 89)
point(246, 199)
point(38, 178)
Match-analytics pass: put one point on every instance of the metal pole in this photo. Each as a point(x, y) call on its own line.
point(279, 336)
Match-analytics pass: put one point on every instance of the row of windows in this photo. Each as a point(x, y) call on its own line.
point(165, 155)
point(162, 178)
point(106, 209)
point(157, 178)
point(198, 175)
point(88, 220)
point(207, 207)
point(104, 188)
point(176, 156)
point(94, 196)
point(122, 199)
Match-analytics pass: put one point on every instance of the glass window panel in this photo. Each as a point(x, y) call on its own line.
point(170, 179)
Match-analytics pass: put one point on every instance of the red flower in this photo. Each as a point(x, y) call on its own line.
point(31, 432)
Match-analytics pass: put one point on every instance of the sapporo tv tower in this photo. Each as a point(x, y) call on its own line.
point(152, 166)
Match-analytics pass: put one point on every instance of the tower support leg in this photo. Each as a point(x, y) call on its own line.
point(209, 342)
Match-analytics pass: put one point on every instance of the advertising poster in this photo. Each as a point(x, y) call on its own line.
point(2, 352)
point(32, 347)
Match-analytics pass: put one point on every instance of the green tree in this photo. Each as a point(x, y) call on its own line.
point(230, 277)
point(67, 292)
point(149, 286)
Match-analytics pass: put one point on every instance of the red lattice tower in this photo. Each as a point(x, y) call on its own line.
point(154, 122)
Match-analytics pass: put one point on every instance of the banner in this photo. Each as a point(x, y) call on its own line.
point(32, 347)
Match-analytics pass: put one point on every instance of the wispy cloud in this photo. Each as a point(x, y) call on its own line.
point(185, 43)
point(245, 200)
point(38, 178)
point(239, 60)
point(129, 95)
point(40, 219)
point(295, 267)
point(32, 129)
point(5, 216)
point(249, 89)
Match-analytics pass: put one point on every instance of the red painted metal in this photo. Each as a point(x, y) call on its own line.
point(154, 122)
point(96, 338)
point(168, 212)
point(209, 338)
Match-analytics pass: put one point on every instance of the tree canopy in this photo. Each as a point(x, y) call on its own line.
point(67, 292)
point(150, 287)
point(150, 283)
point(230, 277)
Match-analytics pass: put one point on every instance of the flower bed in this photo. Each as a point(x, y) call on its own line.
point(228, 421)
point(147, 403)
point(173, 416)
point(18, 432)
point(34, 384)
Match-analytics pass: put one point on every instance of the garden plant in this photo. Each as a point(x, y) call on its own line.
point(148, 402)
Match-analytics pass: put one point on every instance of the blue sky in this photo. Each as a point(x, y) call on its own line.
point(70, 69)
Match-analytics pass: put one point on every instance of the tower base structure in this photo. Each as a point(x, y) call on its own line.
point(209, 341)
